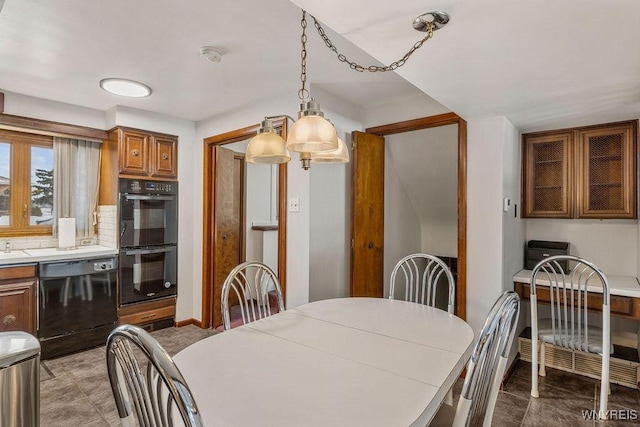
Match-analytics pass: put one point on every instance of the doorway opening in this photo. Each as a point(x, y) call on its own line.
point(368, 204)
point(225, 224)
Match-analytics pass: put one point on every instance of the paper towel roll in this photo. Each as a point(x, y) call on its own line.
point(66, 232)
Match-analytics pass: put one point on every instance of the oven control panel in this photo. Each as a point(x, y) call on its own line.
point(147, 187)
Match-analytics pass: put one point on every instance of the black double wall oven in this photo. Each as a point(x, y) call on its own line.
point(148, 216)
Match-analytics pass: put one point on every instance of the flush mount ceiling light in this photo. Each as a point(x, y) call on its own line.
point(313, 136)
point(125, 87)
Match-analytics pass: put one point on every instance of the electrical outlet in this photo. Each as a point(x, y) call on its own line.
point(294, 204)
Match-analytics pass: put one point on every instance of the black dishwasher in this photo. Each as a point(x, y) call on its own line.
point(77, 306)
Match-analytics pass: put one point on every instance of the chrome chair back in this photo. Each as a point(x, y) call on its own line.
point(250, 282)
point(421, 273)
point(569, 326)
point(488, 363)
point(147, 386)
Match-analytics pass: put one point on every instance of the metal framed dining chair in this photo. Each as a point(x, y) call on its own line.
point(568, 326)
point(147, 386)
point(421, 275)
point(248, 287)
point(488, 363)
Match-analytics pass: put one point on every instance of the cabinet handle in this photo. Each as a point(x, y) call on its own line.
point(135, 153)
point(148, 316)
point(165, 156)
point(8, 320)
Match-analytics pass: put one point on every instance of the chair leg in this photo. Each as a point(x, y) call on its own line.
point(543, 370)
point(605, 387)
point(449, 399)
point(534, 369)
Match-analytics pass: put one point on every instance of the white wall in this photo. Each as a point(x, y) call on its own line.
point(513, 227)
point(402, 231)
point(38, 108)
point(427, 165)
point(484, 217)
point(330, 195)
point(611, 244)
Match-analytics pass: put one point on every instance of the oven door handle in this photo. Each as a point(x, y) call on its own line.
point(147, 197)
point(149, 251)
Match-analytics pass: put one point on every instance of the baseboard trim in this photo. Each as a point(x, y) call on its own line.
point(510, 371)
point(188, 322)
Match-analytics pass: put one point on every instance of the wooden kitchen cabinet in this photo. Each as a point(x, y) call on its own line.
point(587, 172)
point(607, 180)
point(143, 153)
point(548, 166)
point(147, 312)
point(18, 299)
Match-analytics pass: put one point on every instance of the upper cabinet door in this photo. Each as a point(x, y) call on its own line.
point(134, 152)
point(607, 172)
point(165, 157)
point(547, 175)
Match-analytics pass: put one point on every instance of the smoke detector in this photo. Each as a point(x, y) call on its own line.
point(211, 54)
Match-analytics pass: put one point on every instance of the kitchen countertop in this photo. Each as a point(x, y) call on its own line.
point(618, 285)
point(27, 256)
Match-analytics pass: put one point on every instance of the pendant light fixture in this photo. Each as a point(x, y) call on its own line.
point(267, 146)
point(311, 133)
point(313, 136)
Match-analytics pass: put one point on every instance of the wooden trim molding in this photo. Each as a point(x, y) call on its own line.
point(208, 228)
point(435, 121)
point(187, 322)
point(1, 102)
point(47, 127)
point(416, 124)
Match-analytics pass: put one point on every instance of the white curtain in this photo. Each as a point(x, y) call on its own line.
point(75, 183)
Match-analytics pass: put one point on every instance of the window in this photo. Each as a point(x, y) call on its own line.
point(26, 184)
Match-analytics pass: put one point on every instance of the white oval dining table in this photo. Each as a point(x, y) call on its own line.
point(338, 362)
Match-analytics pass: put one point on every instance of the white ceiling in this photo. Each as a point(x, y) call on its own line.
point(542, 64)
point(61, 49)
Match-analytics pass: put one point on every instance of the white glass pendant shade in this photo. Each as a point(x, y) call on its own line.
point(341, 155)
point(312, 132)
point(267, 147)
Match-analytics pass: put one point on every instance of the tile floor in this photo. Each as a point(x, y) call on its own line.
point(563, 397)
point(75, 391)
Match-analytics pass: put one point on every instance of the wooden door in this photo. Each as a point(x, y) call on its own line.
point(229, 219)
point(367, 222)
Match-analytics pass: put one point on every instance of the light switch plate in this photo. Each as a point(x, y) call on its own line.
point(506, 202)
point(294, 204)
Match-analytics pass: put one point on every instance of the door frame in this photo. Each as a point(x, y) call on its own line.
point(436, 121)
point(208, 252)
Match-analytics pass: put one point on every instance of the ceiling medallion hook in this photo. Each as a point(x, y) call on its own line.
point(436, 19)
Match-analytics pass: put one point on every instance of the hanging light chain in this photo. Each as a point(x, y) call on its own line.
point(371, 68)
point(303, 93)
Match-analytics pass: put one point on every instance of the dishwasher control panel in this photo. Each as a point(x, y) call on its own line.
point(103, 265)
